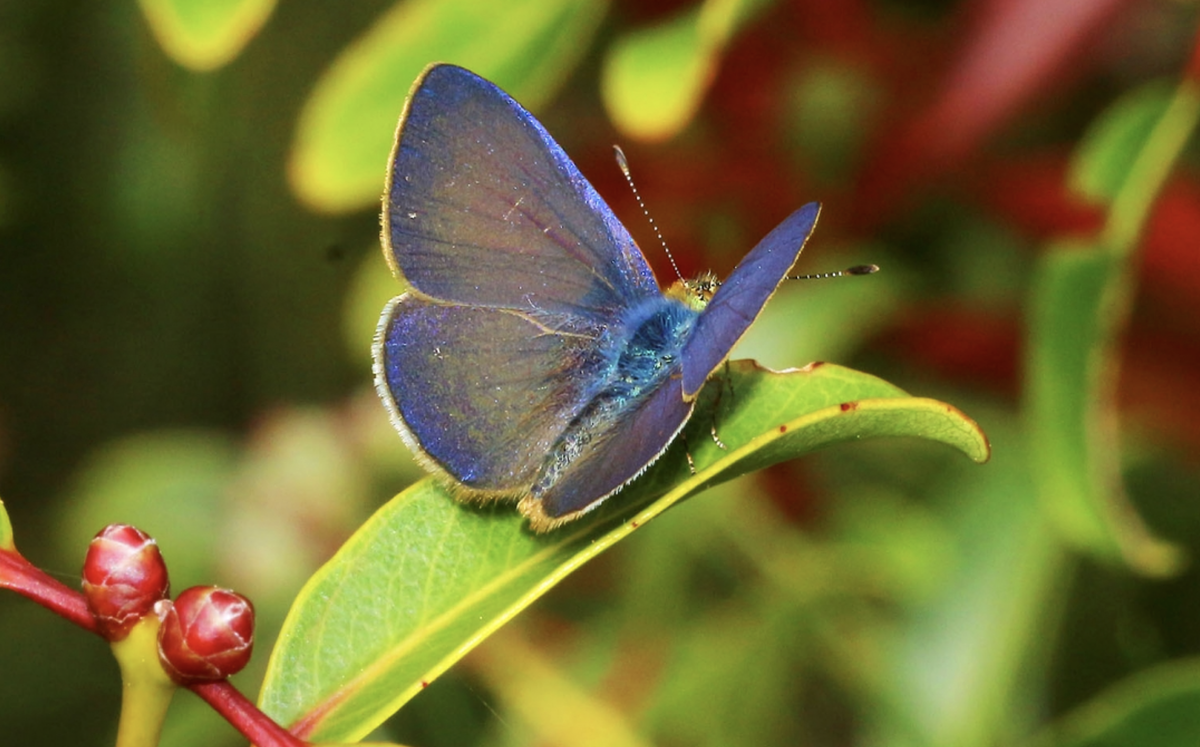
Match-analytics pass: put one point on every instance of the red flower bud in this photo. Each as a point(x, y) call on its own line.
point(207, 634)
point(123, 576)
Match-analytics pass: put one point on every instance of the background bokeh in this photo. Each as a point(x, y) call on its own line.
point(190, 278)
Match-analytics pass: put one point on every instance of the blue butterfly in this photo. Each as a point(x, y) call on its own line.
point(534, 356)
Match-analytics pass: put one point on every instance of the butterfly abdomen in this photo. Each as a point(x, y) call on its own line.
point(639, 364)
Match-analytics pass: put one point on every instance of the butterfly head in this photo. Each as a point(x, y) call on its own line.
point(694, 293)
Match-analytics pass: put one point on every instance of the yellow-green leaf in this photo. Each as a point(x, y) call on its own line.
point(205, 34)
point(527, 47)
point(524, 680)
point(655, 78)
point(6, 531)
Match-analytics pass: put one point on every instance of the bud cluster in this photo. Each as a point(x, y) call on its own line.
point(206, 634)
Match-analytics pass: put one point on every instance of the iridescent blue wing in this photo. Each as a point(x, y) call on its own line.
point(738, 301)
point(618, 455)
point(483, 394)
point(483, 208)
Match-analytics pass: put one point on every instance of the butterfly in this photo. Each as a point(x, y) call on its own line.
point(534, 356)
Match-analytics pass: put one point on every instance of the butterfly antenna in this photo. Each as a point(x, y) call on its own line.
point(624, 164)
point(855, 270)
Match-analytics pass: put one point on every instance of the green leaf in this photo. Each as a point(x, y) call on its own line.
point(205, 34)
point(1071, 369)
point(655, 78)
point(1105, 157)
point(426, 579)
point(1080, 305)
point(1156, 708)
point(965, 669)
point(527, 47)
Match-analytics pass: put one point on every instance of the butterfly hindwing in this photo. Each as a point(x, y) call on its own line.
point(483, 393)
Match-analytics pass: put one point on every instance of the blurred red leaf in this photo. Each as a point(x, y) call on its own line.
point(1015, 51)
point(1030, 194)
point(1170, 262)
point(1158, 384)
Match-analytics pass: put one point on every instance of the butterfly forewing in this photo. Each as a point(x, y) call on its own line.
point(738, 301)
point(484, 208)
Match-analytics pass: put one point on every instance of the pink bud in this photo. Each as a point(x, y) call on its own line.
point(123, 576)
point(207, 634)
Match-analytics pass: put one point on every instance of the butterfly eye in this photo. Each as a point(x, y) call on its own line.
point(704, 287)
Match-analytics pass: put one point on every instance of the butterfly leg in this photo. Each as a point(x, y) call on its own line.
point(717, 439)
point(726, 383)
point(688, 453)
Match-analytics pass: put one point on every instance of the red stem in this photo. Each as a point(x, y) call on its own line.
point(245, 716)
point(23, 577)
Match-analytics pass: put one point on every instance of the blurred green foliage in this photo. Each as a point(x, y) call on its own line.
point(188, 251)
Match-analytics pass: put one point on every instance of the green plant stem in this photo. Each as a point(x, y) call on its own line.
point(146, 688)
